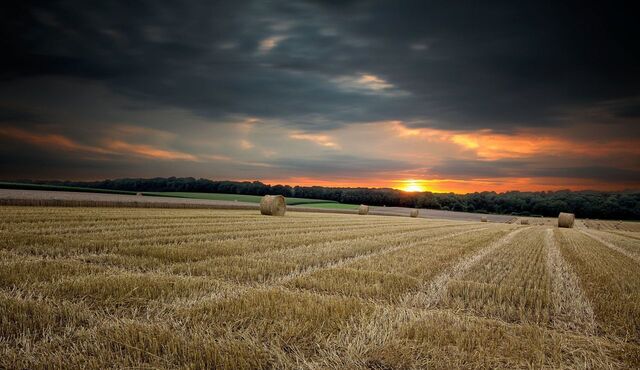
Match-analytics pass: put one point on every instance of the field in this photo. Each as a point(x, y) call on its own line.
point(320, 203)
point(23, 186)
point(306, 202)
point(189, 288)
point(614, 226)
point(442, 214)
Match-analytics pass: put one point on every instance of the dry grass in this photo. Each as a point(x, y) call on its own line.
point(624, 244)
point(570, 307)
point(165, 288)
point(512, 283)
point(609, 225)
point(611, 281)
point(446, 340)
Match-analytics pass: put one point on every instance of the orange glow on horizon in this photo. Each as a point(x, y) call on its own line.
point(420, 151)
point(458, 186)
point(412, 186)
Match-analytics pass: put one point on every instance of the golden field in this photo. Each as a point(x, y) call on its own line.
point(186, 288)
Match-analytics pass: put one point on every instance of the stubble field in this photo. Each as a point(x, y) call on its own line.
point(162, 288)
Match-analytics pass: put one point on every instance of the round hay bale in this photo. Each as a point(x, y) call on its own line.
point(414, 213)
point(138, 194)
point(273, 205)
point(566, 220)
point(363, 210)
point(524, 222)
point(483, 219)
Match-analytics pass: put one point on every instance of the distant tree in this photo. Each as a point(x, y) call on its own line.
point(591, 204)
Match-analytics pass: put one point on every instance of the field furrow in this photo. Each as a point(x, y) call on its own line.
point(626, 246)
point(571, 310)
point(434, 292)
point(610, 280)
point(276, 263)
point(511, 282)
point(342, 278)
point(190, 247)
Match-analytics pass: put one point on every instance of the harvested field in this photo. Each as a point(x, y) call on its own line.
point(20, 197)
point(204, 288)
point(539, 221)
point(440, 214)
point(609, 225)
point(13, 197)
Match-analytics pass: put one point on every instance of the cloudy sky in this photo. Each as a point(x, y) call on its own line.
point(456, 96)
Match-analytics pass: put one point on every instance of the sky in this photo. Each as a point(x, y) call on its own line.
point(448, 96)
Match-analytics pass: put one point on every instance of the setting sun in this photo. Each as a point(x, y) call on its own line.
point(412, 186)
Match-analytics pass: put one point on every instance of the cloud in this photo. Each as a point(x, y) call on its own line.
point(419, 46)
point(340, 165)
point(143, 132)
point(367, 84)
point(423, 85)
point(14, 116)
point(481, 71)
point(489, 145)
point(246, 144)
point(266, 45)
point(319, 139)
point(48, 140)
point(55, 141)
point(147, 151)
point(531, 168)
point(492, 77)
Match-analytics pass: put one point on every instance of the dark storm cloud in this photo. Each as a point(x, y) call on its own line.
point(342, 165)
point(13, 116)
point(460, 65)
point(495, 64)
point(542, 167)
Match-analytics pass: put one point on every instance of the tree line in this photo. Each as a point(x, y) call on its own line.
point(585, 204)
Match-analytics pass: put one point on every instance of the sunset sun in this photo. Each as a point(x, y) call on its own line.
point(412, 186)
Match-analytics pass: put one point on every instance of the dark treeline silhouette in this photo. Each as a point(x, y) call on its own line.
point(585, 204)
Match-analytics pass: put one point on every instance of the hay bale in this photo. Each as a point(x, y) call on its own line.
point(363, 210)
point(483, 219)
point(566, 220)
point(414, 213)
point(273, 205)
point(524, 222)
